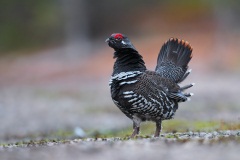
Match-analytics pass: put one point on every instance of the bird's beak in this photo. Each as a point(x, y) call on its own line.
point(107, 40)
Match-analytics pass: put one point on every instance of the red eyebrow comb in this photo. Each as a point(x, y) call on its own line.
point(117, 36)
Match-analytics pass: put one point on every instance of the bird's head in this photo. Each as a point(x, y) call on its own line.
point(119, 41)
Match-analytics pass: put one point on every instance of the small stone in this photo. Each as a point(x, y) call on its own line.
point(234, 133)
point(209, 135)
point(190, 133)
point(183, 136)
point(202, 134)
point(89, 139)
point(116, 138)
point(99, 139)
point(238, 133)
point(50, 143)
point(214, 133)
point(228, 132)
point(79, 132)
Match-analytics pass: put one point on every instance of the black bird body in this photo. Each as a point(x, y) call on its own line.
point(149, 95)
point(144, 95)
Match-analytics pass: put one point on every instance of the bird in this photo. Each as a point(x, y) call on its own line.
point(145, 95)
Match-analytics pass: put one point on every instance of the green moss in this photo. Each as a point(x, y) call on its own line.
point(172, 126)
point(171, 136)
point(182, 126)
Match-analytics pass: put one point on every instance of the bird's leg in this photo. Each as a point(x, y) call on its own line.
point(136, 126)
point(135, 130)
point(158, 128)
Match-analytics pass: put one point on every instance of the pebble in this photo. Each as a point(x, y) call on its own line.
point(215, 133)
point(190, 133)
point(238, 133)
point(227, 132)
point(209, 135)
point(202, 134)
point(184, 136)
point(79, 132)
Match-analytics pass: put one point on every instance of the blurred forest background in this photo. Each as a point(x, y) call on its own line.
point(55, 64)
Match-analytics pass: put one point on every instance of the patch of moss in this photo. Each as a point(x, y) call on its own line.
point(173, 126)
point(171, 136)
point(182, 126)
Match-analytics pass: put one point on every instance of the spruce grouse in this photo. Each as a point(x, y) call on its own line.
point(144, 95)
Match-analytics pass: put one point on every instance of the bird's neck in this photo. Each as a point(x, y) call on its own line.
point(128, 60)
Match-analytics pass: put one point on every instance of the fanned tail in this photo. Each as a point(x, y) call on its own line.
point(173, 60)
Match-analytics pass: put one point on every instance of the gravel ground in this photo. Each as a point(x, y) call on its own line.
point(220, 145)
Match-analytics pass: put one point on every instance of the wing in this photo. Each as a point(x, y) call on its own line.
point(148, 96)
point(170, 88)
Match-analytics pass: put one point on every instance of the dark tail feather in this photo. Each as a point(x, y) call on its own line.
point(173, 59)
point(187, 86)
point(185, 76)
